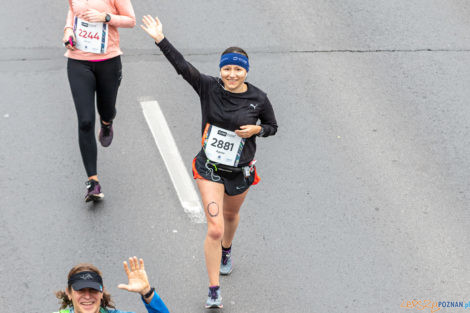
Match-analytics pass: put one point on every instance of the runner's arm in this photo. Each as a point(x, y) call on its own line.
point(154, 28)
point(125, 17)
point(69, 20)
point(138, 283)
point(156, 305)
point(268, 120)
point(68, 30)
point(182, 67)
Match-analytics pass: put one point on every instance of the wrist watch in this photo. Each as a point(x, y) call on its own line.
point(148, 294)
point(107, 18)
point(261, 132)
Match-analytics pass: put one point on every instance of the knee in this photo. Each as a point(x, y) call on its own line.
point(230, 217)
point(215, 232)
point(85, 125)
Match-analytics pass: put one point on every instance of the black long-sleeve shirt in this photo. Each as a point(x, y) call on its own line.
point(222, 108)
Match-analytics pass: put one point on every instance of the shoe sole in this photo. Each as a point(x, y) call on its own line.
point(94, 198)
point(103, 145)
point(225, 274)
point(214, 306)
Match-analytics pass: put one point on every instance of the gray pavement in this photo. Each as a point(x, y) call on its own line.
point(363, 202)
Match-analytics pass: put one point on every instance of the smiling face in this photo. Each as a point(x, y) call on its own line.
point(86, 300)
point(233, 77)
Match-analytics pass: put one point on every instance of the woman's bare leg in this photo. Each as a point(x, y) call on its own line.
point(212, 195)
point(232, 205)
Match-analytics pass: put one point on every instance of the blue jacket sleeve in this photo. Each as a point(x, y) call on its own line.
point(156, 305)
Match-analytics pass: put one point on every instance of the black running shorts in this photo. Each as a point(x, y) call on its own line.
point(234, 184)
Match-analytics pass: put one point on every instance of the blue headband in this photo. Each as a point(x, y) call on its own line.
point(235, 59)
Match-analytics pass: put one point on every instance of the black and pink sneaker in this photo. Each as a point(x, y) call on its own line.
point(106, 135)
point(93, 191)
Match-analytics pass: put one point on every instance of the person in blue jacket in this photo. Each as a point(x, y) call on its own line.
point(85, 292)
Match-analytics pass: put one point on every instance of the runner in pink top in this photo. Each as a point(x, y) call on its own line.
point(120, 12)
point(94, 70)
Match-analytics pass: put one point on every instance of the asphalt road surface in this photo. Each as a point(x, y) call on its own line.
point(364, 198)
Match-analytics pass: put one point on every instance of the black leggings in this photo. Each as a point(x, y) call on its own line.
point(85, 79)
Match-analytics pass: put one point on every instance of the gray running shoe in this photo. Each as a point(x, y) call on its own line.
point(226, 262)
point(214, 299)
point(93, 191)
point(106, 135)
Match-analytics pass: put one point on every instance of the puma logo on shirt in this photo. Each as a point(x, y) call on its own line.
point(253, 106)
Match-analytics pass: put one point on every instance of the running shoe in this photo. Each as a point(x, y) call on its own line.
point(106, 134)
point(93, 191)
point(214, 299)
point(226, 262)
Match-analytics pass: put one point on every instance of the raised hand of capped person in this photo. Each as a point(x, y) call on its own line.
point(68, 34)
point(138, 280)
point(153, 27)
point(246, 131)
point(94, 16)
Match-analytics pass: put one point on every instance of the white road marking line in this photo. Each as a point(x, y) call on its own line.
point(174, 163)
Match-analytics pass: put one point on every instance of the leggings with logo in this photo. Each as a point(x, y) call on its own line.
point(86, 79)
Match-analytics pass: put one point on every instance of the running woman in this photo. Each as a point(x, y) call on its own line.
point(85, 292)
point(224, 168)
point(94, 68)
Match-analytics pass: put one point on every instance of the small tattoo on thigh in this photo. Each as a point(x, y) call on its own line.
point(213, 209)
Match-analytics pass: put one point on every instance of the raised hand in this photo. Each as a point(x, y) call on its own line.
point(153, 27)
point(138, 281)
